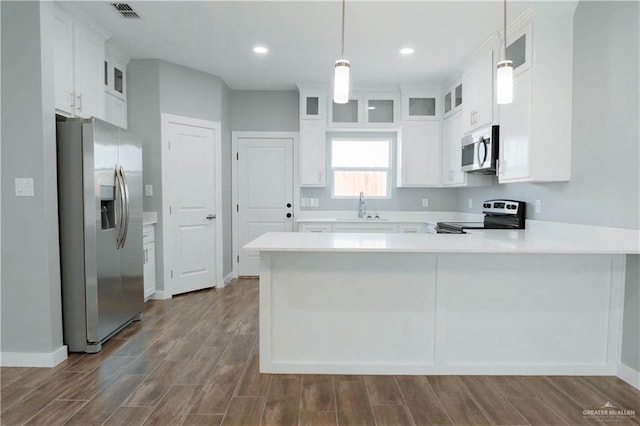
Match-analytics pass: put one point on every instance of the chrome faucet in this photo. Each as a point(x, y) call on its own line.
point(362, 210)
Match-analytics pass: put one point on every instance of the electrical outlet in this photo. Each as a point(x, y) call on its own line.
point(470, 203)
point(24, 187)
point(148, 190)
point(304, 202)
point(425, 202)
point(313, 202)
point(538, 206)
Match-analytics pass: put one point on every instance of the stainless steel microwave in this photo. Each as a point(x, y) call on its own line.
point(480, 150)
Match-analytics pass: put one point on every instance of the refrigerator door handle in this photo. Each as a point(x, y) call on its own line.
point(120, 200)
point(126, 204)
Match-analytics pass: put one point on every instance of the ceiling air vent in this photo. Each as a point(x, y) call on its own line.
point(125, 10)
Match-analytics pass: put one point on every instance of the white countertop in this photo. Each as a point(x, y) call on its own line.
point(539, 237)
point(149, 218)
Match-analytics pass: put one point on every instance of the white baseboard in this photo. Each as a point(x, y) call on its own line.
point(629, 375)
point(33, 359)
point(161, 295)
point(228, 279)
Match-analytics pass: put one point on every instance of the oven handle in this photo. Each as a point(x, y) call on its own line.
point(483, 144)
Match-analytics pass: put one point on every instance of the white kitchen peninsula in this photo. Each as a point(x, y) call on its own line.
point(546, 300)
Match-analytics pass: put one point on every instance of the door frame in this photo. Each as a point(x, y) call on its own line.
point(235, 140)
point(167, 243)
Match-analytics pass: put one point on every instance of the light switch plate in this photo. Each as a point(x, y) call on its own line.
point(148, 190)
point(425, 202)
point(470, 203)
point(304, 202)
point(313, 202)
point(24, 187)
point(538, 206)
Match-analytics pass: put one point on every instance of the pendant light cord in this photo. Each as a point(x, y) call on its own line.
point(343, 7)
point(505, 29)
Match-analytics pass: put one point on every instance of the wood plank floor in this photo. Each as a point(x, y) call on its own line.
point(193, 360)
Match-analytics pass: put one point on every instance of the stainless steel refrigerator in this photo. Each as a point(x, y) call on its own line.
point(100, 217)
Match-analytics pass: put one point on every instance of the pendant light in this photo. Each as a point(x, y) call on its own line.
point(504, 74)
point(341, 75)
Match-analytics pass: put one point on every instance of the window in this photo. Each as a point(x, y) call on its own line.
point(361, 165)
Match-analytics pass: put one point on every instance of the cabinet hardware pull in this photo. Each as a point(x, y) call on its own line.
point(79, 102)
point(73, 100)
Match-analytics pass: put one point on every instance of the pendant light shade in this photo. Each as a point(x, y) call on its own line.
point(504, 84)
point(341, 73)
point(504, 72)
point(341, 82)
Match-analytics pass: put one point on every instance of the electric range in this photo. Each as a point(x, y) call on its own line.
point(498, 214)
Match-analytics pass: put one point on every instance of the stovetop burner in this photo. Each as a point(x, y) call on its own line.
point(498, 214)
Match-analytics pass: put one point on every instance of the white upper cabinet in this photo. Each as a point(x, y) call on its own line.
point(452, 150)
point(477, 84)
point(63, 62)
point(312, 153)
point(115, 87)
point(78, 65)
point(313, 128)
point(313, 104)
point(452, 100)
point(419, 156)
point(366, 109)
point(535, 130)
point(420, 105)
point(381, 109)
point(349, 114)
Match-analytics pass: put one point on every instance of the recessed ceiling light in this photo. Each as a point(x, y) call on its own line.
point(260, 50)
point(407, 50)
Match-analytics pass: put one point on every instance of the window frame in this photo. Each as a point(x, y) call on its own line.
point(389, 169)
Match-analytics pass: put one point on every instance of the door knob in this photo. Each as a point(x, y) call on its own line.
point(289, 205)
point(211, 217)
point(288, 214)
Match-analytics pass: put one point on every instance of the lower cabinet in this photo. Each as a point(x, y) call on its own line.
point(365, 227)
point(314, 227)
point(383, 227)
point(149, 257)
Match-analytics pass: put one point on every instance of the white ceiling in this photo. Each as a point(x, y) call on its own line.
point(304, 38)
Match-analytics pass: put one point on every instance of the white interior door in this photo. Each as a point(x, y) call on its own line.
point(265, 194)
point(191, 188)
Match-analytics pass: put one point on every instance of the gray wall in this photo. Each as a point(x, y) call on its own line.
point(155, 87)
point(31, 305)
point(605, 148)
point(143, 114)
point(409, 199)
point(190, 93)
point(259, 110)
point(631, 320)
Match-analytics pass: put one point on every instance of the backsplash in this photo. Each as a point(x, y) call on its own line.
point(402, 199)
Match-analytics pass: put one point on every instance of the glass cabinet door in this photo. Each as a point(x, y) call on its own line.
point(447, 102)
point(458, 95)
point(345, 113)
point(313, 104)
point(423, 104)
point(380, 111)
point(422, 107)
